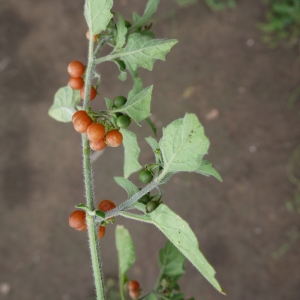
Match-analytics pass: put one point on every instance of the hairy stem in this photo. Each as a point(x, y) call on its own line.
point(88, 183)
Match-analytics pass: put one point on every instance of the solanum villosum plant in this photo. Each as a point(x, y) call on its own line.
point(181, 149)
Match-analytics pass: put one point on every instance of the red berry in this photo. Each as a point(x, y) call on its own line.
point(79, 113)
point(134, 289)
point(114, 138)
point(76, 69)
point(101, 232)
point(81, 123)
point(95, 132)
point(98, 145)
point(93, 93)
point(77, 220)
point(106, 205)
point(76, 83)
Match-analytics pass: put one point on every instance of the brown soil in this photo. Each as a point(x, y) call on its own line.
point(221, 71)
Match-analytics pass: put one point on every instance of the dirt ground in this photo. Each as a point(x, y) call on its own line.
point(219, 70)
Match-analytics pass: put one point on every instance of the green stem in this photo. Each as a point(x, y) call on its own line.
point(88, 179)
point(88, 74)
point(108, 58)
point(91, 221)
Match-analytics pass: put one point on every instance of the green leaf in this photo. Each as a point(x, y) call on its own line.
point(152, 125)
point(109, 103)
point(181, 235)
point(151, 297)
point(126, 252)
point(65, 101)
point(83, 207)
point(150, 9)
point(127, 185)
point(137, 105)
point(171, 262)
point(179, 296)
point(143, 51)
point(121, 33)
point(206, 169)
point(155, 148)
point(100, 214)
point(97, 14)
point(132, 152)
point(183, 145)
point(122, 68)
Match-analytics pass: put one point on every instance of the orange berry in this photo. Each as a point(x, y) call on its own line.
point(76, 83)
point(93, 93)
point(77, 220)
point(95, 132)
point(114, 138)
point(101, 232)
point(81, 123)
point(106, 205)
point(88, 36)
point(134, 289)
point(98, 145)
point(78, 113)
point(76, 69)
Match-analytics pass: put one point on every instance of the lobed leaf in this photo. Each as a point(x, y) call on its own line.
point(143, 51)
point(132, 152)
point(171, 262)
point(206, 169)
point(121, 33)
point(180, 234)
point(63, 107)
point(183, 145)
point(97, 14)
point(127, 185)
point(150, 9)
point(126, 252)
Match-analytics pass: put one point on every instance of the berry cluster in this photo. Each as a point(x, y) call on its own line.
point(76, 70)
point(95, 132)
point(77, 219)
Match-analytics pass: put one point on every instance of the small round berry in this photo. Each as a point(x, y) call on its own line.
point(76, 69)
point(145, 176)
point(79, 113)
point(134, 289)
point(95, 132)
point(101, 232)
point(81, 123)
point(77, 220)
point(119, 101)
point(134, 294)
point(76, 83)
point(114, 138)
point(145, 199)
point(93, 93)
point(106, 205)
point(88, 36)
point(98, 145)
point(123, 121)
point(151, 206)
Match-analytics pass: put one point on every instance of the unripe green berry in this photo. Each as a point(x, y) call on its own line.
point(119, 101)
point(123, 121)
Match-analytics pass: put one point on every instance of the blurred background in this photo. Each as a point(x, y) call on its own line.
point(237, 67)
